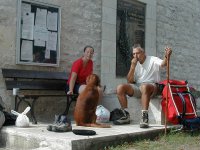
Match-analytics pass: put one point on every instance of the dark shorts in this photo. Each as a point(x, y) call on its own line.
point(76, 88)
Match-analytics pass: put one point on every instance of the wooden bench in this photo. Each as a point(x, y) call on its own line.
point(34, 84)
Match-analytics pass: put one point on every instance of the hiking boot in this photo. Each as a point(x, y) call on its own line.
point(144, 123)
point(57, 118)
point(125, 119)
point(63, 126)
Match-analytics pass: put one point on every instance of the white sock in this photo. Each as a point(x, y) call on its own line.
point(126, 109)
point(144, 111)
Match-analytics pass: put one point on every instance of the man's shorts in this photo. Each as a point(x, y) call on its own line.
point(137, 91)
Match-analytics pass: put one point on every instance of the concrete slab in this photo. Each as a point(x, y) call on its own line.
point(38, 138)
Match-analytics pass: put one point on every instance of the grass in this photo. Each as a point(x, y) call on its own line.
point(172, 141)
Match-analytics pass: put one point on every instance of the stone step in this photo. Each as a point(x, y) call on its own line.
point(36, 137)
point(110, 101)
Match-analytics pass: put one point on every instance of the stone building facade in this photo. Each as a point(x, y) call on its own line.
point(93, 22)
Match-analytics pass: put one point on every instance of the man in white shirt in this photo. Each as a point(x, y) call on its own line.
point(142, 77)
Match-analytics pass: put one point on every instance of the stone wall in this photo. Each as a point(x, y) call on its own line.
point(7, 42)
point(178, 23)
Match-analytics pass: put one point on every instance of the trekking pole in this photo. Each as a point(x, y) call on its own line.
point(166, 108)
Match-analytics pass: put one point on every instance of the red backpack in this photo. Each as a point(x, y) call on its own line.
point(181, 103)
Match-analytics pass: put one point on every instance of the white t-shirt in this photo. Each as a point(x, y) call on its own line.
point(149, 71)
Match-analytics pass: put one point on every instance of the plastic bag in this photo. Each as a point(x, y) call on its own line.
point(103, 114)
point(22, 119)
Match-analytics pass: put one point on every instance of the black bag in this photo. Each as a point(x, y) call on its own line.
point(1, 108)
point(160, 88)
point(1, 105)
point(191, 124)
point(9, 119)
point(83, 132)
point(116, 114)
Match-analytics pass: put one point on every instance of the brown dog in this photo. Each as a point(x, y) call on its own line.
point(87, 101)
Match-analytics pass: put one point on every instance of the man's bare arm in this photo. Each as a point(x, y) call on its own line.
point(130, 76)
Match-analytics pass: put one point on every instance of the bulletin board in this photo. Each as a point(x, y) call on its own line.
point(38, 33)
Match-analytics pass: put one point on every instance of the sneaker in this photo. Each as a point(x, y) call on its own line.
point(57, 118)
point(125, 119)
point(63, 126)
point(144, 123)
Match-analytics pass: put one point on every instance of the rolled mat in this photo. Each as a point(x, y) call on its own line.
point(83, 132)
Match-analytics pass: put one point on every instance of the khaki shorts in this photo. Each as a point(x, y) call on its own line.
point(137, 91)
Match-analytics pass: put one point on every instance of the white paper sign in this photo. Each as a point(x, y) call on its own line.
point(40, 33)
point(26, 8)
point(52, 41)
point(28, 26)
point(47, 54)
point(41, 17)
point(52, 19)
point(27, 50)
point(38, 42)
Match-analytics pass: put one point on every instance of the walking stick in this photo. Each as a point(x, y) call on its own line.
point(166, 108)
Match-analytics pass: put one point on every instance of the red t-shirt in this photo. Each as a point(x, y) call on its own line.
point(82, 72)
